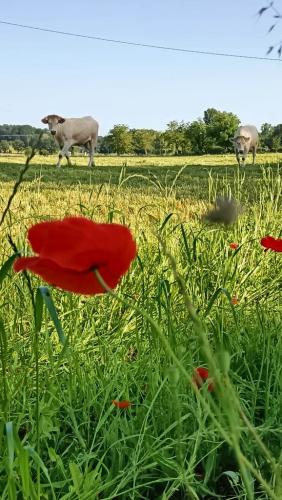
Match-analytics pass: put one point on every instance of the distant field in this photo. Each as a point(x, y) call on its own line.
point(131, 161)
point(61, 437)
point(195, 177)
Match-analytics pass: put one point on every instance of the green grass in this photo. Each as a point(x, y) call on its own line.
point(60, 435)
point(184, 177)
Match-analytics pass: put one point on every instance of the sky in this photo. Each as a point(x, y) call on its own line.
point(45, 73)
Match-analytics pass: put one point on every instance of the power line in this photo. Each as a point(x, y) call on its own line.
point(17, 135)
point(136, 44)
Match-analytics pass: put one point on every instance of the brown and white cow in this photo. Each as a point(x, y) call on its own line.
point(73, 132)
point(246, 139)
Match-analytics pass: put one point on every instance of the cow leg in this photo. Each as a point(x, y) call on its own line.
point(65, 152)
point(59, 160)
point(91, 153)
point(254, 154)
point(88, 149)
point(68, 158)
point(238, 159)
point(244, 157)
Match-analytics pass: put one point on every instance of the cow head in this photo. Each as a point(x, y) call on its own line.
point(53, 121)
point(241, 144)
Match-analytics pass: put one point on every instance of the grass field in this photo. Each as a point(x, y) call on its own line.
point(61, 437)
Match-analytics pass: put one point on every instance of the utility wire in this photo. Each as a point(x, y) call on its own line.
point(17, 135)
point(136, 44)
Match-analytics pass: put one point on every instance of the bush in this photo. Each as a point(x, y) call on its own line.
point(44, 152)
point(28, 151)
point(216, 150)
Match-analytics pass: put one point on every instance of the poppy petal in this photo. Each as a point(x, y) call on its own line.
point(121, 404)
point(67, 279)
point(69, 251)
point(201, 375)
point(271, 243)
point(202, 372)
point(81, 244)
point(59, 239)
point(23, 263)
point(233, 246)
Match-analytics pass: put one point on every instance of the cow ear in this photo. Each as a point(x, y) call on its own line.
point(61, 119)
point(44, 120)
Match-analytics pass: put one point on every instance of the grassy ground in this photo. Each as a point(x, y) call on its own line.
point(60, 435)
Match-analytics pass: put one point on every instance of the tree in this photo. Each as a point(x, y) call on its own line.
point(210, 115)
point(47, 143)
point(276, 143)
point(160, 144)
point(4, 147)
point(120, 139)
point(143, 140)
point(221, 127)
point(266, 136)
point(175, 136)
point(196, 133)
point(18, 145)
point(25, 133)
point(277, 137)
point(99, 143)
point(106, 145)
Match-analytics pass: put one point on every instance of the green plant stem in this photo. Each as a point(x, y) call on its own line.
point(36, 351)
point(19, 181)
point(242, 460)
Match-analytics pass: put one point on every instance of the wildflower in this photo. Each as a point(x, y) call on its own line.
point(69, 251)
point(234, 300)
point(122, 404)
point(226, 211)
point(201, 375)
point(271, 243)
point(233, 246)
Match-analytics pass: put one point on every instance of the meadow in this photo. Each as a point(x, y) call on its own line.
point(61, 436)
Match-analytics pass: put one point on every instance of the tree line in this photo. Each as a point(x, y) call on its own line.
point(208, 135)
point(20, 138)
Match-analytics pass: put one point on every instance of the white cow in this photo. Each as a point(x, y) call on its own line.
point(73, 132)
point(245, 139)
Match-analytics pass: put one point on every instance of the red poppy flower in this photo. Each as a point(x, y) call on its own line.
point(271, 243)
point(234, 301)
point(233, 246)
point(201, 375)
point(122, 404)
point(69, 251)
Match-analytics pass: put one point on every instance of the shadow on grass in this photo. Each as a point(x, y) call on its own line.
point(193, 180)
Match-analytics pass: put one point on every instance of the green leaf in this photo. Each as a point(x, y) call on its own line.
point(165, 221)
point(214, 297)
point(185, 241)
point(10, 443)
point(24, 471)
point(234, 476)
point(173, 375)
point(76, 476)
point(7, 266)
point(53, 313)
point(224, 359)
point(38, 461)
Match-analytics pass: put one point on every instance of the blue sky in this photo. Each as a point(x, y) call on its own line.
point(44, 73)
